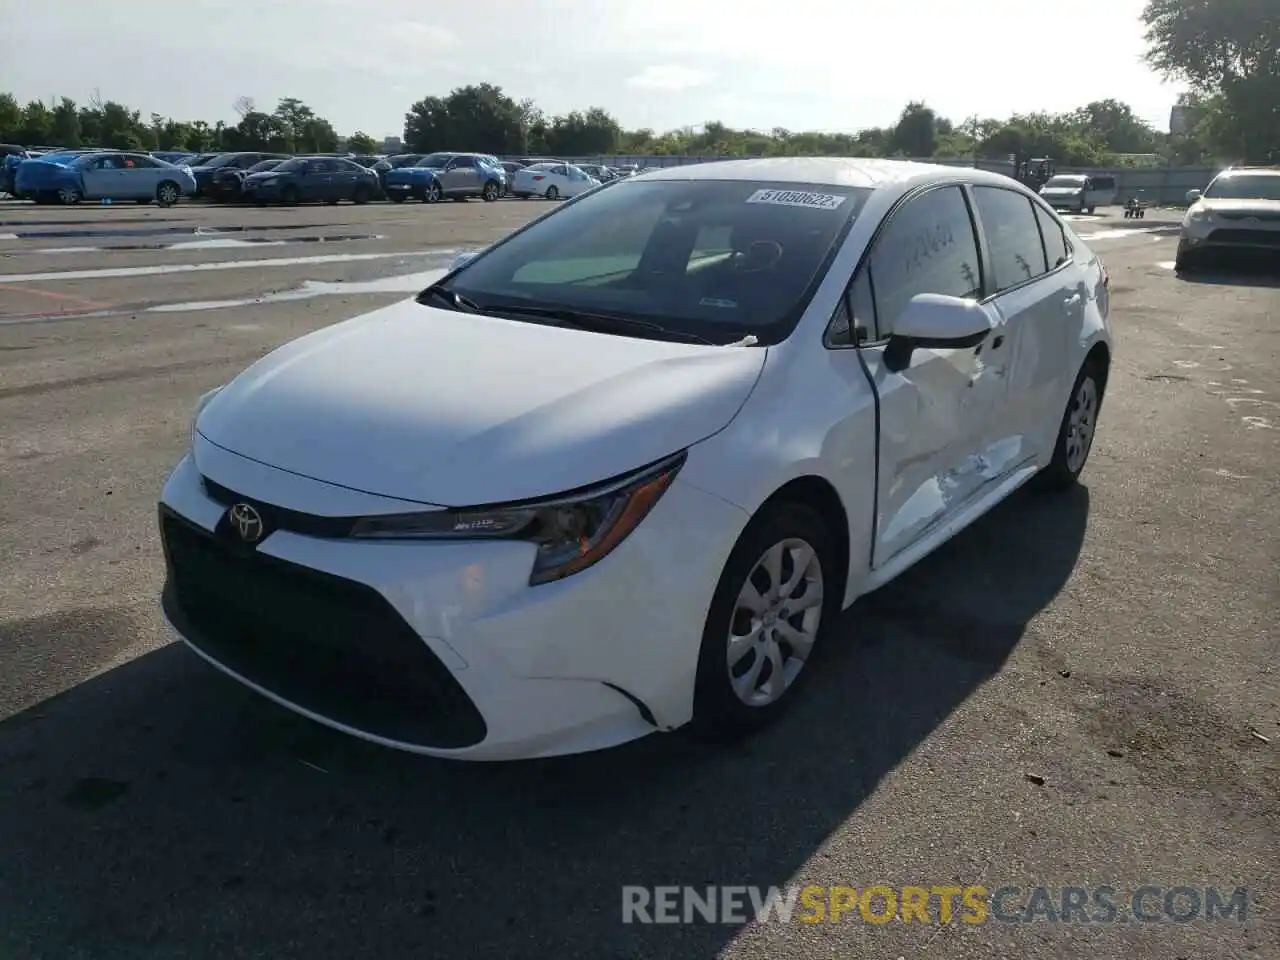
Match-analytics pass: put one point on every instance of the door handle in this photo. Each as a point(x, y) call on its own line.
point(1072, 300)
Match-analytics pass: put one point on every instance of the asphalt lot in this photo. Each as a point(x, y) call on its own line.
point(1118, 644)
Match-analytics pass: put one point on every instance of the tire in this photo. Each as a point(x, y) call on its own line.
point(168, 193)
point(289, 196)
point(552, 193)
point(491, 191)
point(69, 196)
point(360, 195)
point(726, 708)
point(1071, 449)
point(433, 192)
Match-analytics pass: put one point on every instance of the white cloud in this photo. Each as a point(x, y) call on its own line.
point(669, 77)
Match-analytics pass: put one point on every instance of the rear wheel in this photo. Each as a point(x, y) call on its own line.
point(553, 193)
point(433, 193)
point(69, 196)
point(775, 598)
point(289, 195)
point(1076, 431)
point(361, 194)
point(168, 193)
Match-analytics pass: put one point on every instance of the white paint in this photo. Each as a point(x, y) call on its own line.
point(1166, 265)
point(1258, 423)
point(1233, 379)
point(1228, 475)
point(222, 243)
point(1186, 364)
point(8, 236)
point(169, 268)
point(1114, 234)
point(410, 283)
point(1232, 401)
point(44, 250)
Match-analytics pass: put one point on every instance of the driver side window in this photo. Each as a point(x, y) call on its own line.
point(928, 247)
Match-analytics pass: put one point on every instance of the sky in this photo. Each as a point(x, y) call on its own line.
point(830, 65)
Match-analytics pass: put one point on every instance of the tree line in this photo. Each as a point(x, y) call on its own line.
point(1225, 50)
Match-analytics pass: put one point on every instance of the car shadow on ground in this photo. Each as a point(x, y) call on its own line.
point(162, 810)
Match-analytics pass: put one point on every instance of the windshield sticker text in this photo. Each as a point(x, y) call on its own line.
point(798, 198)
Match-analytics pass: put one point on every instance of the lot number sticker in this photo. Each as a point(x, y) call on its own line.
point(798, 198)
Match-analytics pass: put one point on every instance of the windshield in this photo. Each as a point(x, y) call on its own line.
point(264, 165)
point(1065, 182)
point(289, 166)
point(713, 259)
point(201, 160)
point(1245, 187)
point(221, 160)
point(434, 160)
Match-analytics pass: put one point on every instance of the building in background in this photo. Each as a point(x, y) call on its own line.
point(392, 145)
point(1183, 118)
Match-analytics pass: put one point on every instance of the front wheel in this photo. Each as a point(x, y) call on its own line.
point(491, 192)
point(1076, 431)
point(289, 196)
point(433, 193)
point(69, 196)
point(361, 195)
point(776, 596)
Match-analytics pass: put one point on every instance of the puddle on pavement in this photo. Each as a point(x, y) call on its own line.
point(406, 283)
point(212, 243)
point(170, 268)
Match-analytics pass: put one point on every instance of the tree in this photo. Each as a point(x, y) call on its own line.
point(1228, 48)
point(426, 125)
point(36, 124)
point(10, 117)
point(477, 117)
point(916, 134)
point(593, 133)
point(361, 142)
point(64, 129)
point(243, 106)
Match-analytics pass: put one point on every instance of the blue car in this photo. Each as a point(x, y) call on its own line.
point(103, 175)
point(440, 175)
point(10, 157)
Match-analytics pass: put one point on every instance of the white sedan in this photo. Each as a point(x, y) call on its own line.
point(551, 180)
point(622, 471)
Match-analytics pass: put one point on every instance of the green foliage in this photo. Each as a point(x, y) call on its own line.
point(360, 142)
point(1229, 51)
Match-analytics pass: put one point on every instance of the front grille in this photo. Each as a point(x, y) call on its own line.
point(282, 518)
point(327, 644)
point(1264, 215)
point(1255, 238)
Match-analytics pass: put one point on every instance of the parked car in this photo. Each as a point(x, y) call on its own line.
point(552, 181)
point(366, 160)
point(228, 182)
point(597, 171)
point(1237, 213)
point(1079, 192)
point(178, 157)
point(242, 160)
point(387, 164)
point(10, 156)
point(113, 175)
point(304, 179)
point(684, 381)
point(510, 167)
point(438, 176)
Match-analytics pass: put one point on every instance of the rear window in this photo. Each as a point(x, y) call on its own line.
point(714, 259)
point(1065, 181)
point(1103, 183)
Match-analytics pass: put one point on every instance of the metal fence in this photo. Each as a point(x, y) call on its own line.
point(1155, 185)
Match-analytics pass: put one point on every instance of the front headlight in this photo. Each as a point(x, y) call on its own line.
point(572, 531)
point(1196, 214)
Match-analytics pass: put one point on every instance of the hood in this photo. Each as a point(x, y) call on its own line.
point(1246, 207)
point(455, 409)
point(412, 173)
point(1060, 191)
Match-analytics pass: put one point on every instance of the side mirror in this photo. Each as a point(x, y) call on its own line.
point(933, 320)
point(1193, 196)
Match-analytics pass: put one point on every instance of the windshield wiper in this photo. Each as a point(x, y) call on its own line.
point(455, 301)
point(600, 322)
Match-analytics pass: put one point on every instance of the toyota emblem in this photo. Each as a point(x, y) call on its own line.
point(247, 522)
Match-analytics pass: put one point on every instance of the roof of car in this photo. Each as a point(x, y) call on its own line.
point(835, 171)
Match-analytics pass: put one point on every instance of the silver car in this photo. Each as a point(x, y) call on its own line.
point(131, 176)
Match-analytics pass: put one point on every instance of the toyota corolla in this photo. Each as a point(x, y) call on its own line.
point(621, 472)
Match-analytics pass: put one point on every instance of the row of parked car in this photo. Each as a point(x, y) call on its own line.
point(69, 176)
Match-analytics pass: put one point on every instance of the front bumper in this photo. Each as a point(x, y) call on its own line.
point(1236, 235)
point(443, 648)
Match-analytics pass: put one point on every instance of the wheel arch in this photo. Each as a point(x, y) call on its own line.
point(819, 495)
